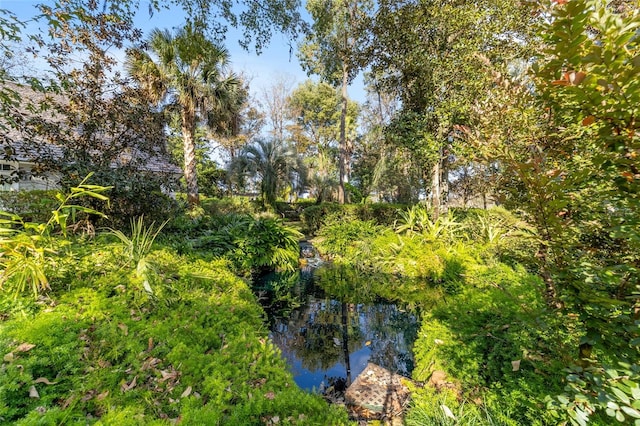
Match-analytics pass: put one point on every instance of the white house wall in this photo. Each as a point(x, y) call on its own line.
point(29, 182)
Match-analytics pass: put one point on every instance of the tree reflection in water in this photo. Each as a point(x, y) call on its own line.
point(330, 324)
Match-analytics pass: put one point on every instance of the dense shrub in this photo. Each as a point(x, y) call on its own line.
point(107, 351)
point(350, 240)
point(292, 211)
point(228, 205)
point(380, 213)
point(125, 206)
point(253, 244)
point(500, 349)
point(32, 206)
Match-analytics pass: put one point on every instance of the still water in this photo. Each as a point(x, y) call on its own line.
point(329, 325)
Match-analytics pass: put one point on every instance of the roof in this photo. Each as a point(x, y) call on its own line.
point(14, 145)
point(21, 152)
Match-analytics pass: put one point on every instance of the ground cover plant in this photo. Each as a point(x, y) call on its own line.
point(128, 331)
point(530, 105)
point(503, 352)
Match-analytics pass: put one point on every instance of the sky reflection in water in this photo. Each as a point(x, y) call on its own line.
point(312, 320)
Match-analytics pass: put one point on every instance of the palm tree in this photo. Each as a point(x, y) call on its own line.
point(271, 161)
point(188, 74)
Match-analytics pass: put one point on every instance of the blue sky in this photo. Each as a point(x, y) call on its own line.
point(275, 60)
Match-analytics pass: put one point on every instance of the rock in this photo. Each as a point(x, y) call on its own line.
point(376, 394)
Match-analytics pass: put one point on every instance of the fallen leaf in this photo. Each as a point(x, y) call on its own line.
point(67, 402)
point(33, 392)
point(447, 412)
point(438, 379)
point(367, 343)
point(515, 365)
point(8, 357)
point(168, 375)
point(270, 395)
point(88, 396)
point(102, 396)
point(150, 344)
point(149, 363)
point(126, 387)
point(186, 392)
point(124, 328)
point(24, 347)
point(438, 342)
point(44, 380)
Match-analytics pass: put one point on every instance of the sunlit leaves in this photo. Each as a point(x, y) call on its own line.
point(26, 248)
point(187, 72)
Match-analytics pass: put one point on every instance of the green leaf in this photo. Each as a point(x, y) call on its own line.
point(631, 412)
point(619, 416)
point(621, 395)
point(612, 373)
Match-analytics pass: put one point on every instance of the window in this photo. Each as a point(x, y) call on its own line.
point(6, 173)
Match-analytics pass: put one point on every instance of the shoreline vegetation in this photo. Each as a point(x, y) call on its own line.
point(158, 326)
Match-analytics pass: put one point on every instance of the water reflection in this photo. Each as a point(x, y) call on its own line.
point(329, 324)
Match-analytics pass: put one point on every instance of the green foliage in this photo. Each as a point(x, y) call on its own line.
point(498, 346)
point(253, 245)
point(136, 248)
point(614, 390)
point(315, 109)
point(433, 408)
point(349, 240)
point(32, 206)
point(417, 222)
point(26, 248)
point(293, 211)
point(138, 199)
point(273, 162)
point(381, 213)
point(265, 244)
point(99, 354)
point(313, 216)
point(588, 78)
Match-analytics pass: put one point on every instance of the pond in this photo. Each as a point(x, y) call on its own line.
point(329, 324)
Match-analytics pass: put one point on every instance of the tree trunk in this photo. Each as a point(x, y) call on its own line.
point(188, 138)
point(435, 190)
point(551, 293)
point(444, 179)
point(342, 196)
